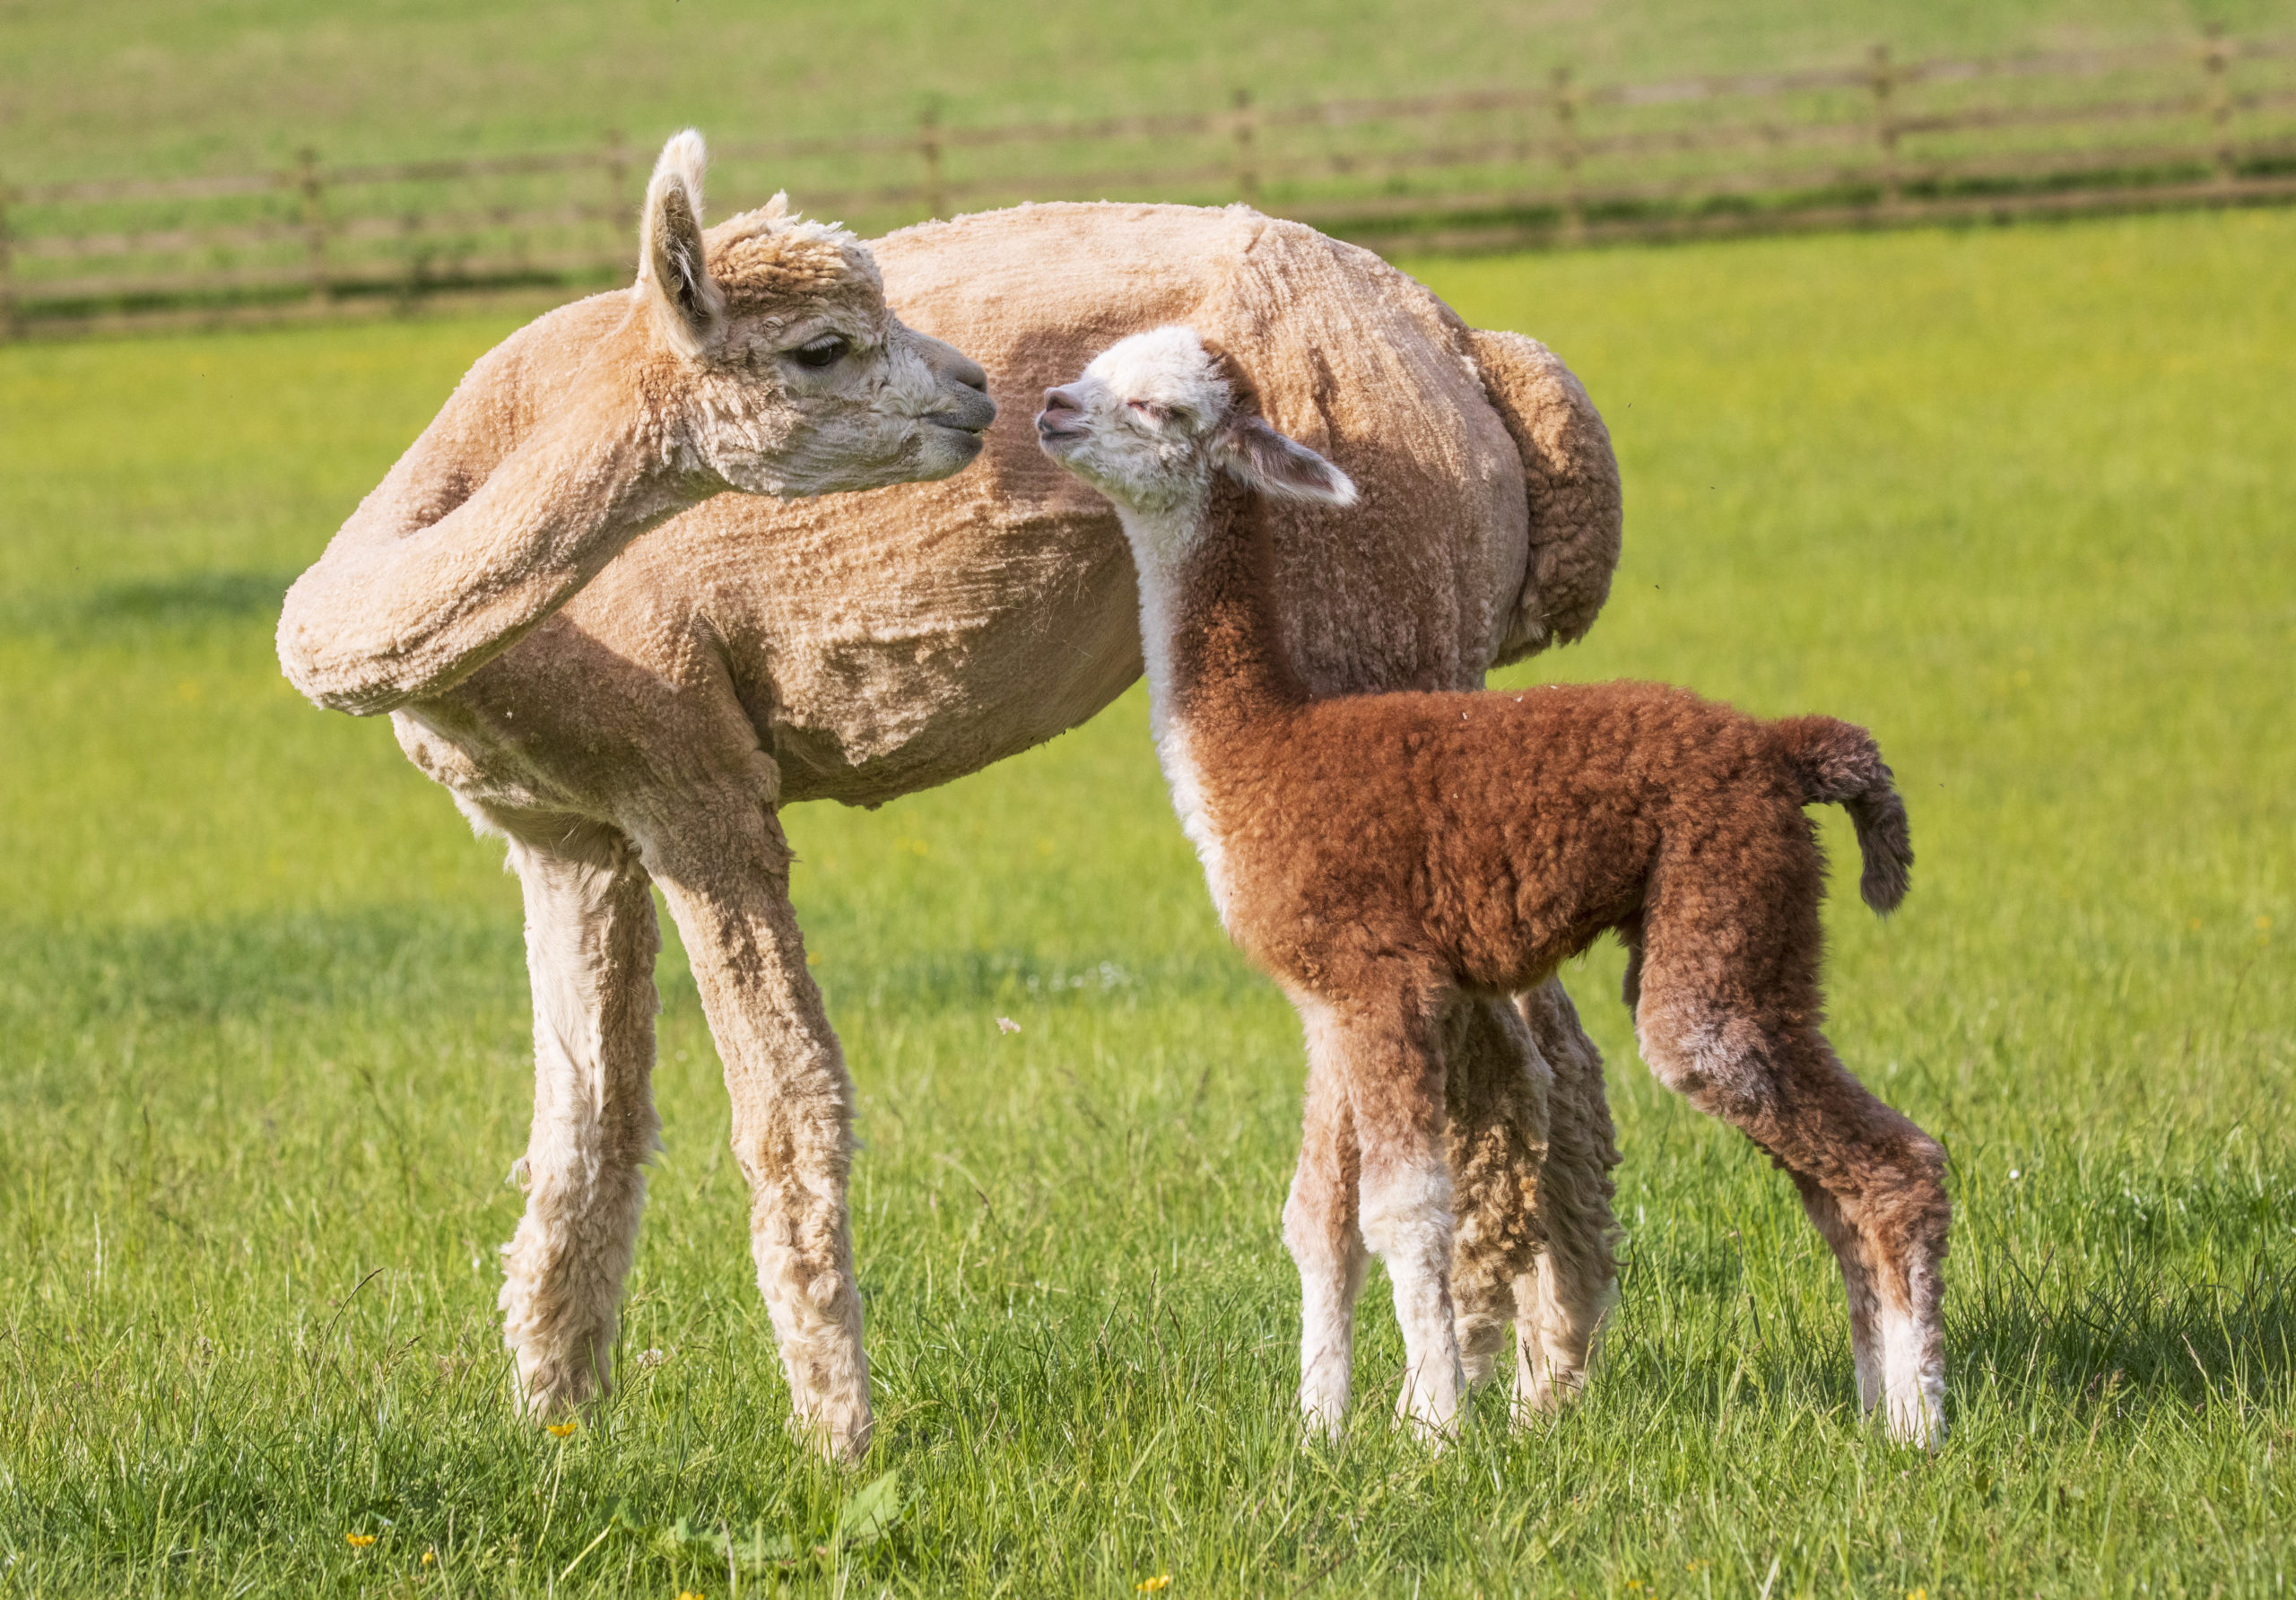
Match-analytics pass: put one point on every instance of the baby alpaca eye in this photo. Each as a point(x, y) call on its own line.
point(1154, 413)
point(824, 351)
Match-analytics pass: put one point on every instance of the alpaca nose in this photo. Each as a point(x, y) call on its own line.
point(1062, 413)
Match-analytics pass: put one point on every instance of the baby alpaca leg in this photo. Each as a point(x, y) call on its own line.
point(1496, 1088)
point(1856, 1283)
point(1871, 1180)
point(1319, 1227)
point(591, 942)
point(1395, 1083)
point(1561, 1301)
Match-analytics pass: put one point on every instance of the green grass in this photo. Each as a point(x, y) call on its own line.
point(134, 88)
point(2017, 500)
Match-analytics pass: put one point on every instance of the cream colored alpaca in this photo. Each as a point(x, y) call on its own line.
point(752, 652)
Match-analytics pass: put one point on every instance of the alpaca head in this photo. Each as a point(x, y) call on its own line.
point(1157, 416)
point(782, 368)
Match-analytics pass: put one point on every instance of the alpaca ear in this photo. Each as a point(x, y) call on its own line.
point(1259, 457)
point(673, 265)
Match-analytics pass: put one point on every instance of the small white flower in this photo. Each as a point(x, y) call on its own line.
point(2014, 1175)
point(1007, 1025)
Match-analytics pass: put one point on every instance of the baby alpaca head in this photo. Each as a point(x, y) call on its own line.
point(1156, 416)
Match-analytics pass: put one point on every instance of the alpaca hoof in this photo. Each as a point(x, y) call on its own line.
point(1543, 1396)
point(1434, 1418)
point(549, 1392)
point(840, 1433)
point(1322, 1417)
point(1917, 1419)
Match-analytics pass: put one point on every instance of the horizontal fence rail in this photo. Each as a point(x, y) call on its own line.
point(1880, 141)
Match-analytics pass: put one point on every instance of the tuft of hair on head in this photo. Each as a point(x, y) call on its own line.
point(672, 262)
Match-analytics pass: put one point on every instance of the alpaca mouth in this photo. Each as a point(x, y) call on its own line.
point(1050, 432)
point(972, 417)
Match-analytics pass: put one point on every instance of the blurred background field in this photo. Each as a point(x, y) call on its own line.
point(150, 88)
point(270, 160)
point(2016, 499)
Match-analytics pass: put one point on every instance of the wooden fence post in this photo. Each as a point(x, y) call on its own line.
point(1566, 154)
point(929, 149)
point(1246, 127)
point(314, 222)
point(8, 328)
point(2217, 59)
point(1886, 125)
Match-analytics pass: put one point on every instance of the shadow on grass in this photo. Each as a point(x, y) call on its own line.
point(59, 979)
point(190, 602)
point(2131, 1330)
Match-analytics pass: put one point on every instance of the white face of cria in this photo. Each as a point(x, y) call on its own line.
point(1154, 417)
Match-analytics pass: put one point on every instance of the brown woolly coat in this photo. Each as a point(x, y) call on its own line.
point(1413, 842)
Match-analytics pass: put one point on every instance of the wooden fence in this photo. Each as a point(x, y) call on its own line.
point(2195, 121)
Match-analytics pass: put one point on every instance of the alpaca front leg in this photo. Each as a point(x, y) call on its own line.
point(591, 942)
point(1394, 1084)
point(1319, 1227)
point(727, 878)
point(1561, 1301)
point(1407, 1224)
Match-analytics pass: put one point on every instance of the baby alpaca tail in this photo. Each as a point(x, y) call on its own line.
point(1838, 762)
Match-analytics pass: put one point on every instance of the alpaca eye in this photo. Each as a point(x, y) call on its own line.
point(824, 351)
point(1154, 413)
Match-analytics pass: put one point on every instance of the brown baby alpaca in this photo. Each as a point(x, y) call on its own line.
point(1378, 854)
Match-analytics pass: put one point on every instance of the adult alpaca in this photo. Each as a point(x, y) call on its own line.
point(752, 652)
point(1380, 853)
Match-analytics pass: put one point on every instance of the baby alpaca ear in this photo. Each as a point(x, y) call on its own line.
point(673, 266)
point(1259, 457)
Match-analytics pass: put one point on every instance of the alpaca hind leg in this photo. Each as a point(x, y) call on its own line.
point(726, 875)
point(1496, 1090)
point(591, 942)
point(1321, 1231)
point(1394, 1084)
point(1562, 1302)
point(1857, 1286)
point(1775, 1078)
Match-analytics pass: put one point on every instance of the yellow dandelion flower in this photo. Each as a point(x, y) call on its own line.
point(430, 1557)
point(1149, 1585)
point(561, 1429)
point(1917, 1594)
point(359, 1541)
point(688, 1595)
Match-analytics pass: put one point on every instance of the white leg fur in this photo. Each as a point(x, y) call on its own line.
point(1408, 1224)
point(591, 942)
point(1913, 1365)
point(1319, 1227)
point(726, 876)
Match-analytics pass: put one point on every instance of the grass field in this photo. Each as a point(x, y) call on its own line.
point(2019, 500)
point(146, 88)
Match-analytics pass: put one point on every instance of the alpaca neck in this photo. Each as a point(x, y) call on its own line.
point(1209, 631)
point(461, 551)
point(1214, 654)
